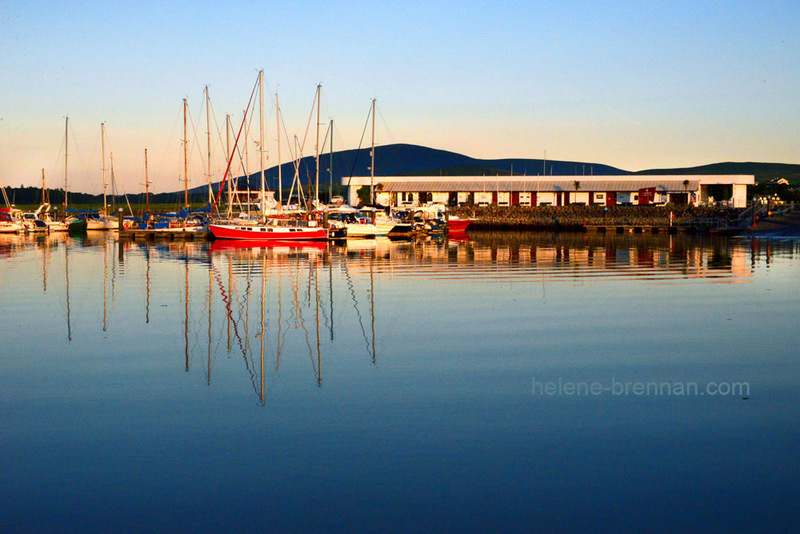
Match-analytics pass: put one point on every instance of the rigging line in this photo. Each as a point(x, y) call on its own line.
point(162, 164)
point(326, 111)
point(355, 304)
point(104, 136)
point(236, 151)
point(243, 166)
point(308, 126)
point(127, 200)
point(358, 150)
point(230, 158)
point(219, 133)
point(245, 306)
point(246, 141)
point(205, 156)
point(196, 142)
point(325, 316)
point(226, 298)
point(289, 318)
point(247, 360)
point(76, 149)
point(383, 121)
point(324, 140)
point(288, 145)
point(308, 342)
point(97, 142)
point(296, 166)
point(59, 162)
point(242, 345)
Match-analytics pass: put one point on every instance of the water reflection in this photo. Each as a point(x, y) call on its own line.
point(262, 303)
point(252, 284)
point(501, 255)
point(143, 369)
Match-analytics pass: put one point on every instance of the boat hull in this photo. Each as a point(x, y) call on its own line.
point(402, 231)
point(458, 225)
point(267, 233)
point(361, 231)
point(10, 228)
point(57, 226)
point(77, 226)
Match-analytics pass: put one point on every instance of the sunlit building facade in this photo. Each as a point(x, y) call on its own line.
point(728, 190)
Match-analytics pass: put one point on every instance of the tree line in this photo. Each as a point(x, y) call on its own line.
point(32, 196)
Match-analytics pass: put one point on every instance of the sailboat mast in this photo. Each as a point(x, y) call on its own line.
point(185, 160)
point(114, 186)
point(372, 165)
point(296, 177)
point(103, 164)
point(330, 185)
point(544, 164)
point(246, 168)
point(316, 148)
point(146, 184)
point(208, 144)
point(43, 189)
point(261, 140)
point(280, 180)
point(66, 162)
point(228, 151)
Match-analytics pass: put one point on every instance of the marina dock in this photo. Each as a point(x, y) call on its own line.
point(163, 234)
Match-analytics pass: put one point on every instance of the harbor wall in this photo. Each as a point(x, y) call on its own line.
point(577, 217)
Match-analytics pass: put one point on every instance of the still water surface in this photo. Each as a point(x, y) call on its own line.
point(499, 382)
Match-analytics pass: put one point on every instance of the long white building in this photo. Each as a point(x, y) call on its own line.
point(554, 190)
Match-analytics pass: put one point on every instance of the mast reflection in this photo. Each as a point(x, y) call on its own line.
point(270, 295)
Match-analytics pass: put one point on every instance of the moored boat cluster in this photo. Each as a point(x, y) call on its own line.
point(322, 223)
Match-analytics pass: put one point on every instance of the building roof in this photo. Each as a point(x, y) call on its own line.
point(533, 185)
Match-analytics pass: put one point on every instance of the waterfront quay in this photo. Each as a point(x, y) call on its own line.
point(604, 219)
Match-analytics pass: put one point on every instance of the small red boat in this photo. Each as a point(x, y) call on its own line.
point(272, 231)
point(455, 224)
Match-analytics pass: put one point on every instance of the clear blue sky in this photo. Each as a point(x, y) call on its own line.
point(631, 84)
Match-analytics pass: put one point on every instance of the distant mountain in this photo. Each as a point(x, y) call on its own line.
point(762, 171)
point(411, 160)
point(415, 160)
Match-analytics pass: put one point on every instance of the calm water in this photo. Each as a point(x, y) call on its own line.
point(505, 382)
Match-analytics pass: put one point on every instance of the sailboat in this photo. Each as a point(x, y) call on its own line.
point(369, 222)
point(42, 219)
point(101, 220)
point(74, 224)
point(357, 226)
point(272, 229)
point(9, 221)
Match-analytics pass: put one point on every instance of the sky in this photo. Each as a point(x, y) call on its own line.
point(636, 85)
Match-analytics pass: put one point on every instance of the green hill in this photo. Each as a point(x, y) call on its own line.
point(762, 171)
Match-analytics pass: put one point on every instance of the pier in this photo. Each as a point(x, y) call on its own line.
point(163, 234)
